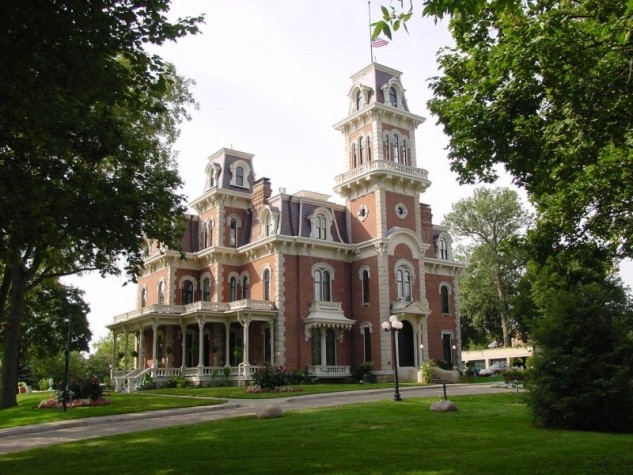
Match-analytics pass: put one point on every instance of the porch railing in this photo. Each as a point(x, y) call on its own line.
point(329, 371)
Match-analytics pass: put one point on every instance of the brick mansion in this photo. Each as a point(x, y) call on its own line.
point(298, 280)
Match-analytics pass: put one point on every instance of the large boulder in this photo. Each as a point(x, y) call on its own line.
point(443, 406)
point(269, 411)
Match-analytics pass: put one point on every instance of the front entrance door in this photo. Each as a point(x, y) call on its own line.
point(406, 356)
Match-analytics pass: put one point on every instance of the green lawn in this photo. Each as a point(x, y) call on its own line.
point(489, 434)
point(27, 413)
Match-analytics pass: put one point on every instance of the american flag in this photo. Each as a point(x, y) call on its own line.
point(378, 42)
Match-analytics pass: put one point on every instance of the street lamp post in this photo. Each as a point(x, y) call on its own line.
point(454, 362)
point(393, 326)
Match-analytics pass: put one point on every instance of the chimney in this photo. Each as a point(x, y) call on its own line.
point(261, 192)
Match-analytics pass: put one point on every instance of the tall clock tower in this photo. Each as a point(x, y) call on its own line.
point(390, 229)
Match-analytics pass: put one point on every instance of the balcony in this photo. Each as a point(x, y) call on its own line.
point(329, 371)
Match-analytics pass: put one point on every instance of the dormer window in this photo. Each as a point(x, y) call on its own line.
point(239, 176)
point(359, 100)
point(393, 98)
point(321, 222)
point(240, 171)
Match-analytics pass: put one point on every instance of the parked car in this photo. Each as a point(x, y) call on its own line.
point(495, 368)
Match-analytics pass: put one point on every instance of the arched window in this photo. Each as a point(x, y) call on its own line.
point(161, 292)
point(266, 279)
point(365, 285)
point(143, 297)
point(321, 227)
point(359, 100)
point(393, 98)
point(446, 308)
point(443, 249)
point(239, 176)
point(232, 289)
point(233, 233)
point(206, 290)
point(245, 288)
point(366, 344)
point(187, 292)
point(403, 283)
point(361, 150)
point(368, 139)
point(396, 149)
point(322, 283)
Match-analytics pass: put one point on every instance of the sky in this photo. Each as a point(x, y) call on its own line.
point(271, 79)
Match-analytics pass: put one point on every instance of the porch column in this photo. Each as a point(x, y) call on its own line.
point(227, 337)
point(114, 353)
point(323, 347)
point(200, 345)
point(183, 346)
point(141, 348)
point(245, 325)
point(126, 351)
point(136, 348)
point(272, 343)
point(154, 344)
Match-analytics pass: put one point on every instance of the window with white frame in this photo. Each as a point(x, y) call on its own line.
point(445, 299)
point(403, 283)
point(232, 289)
point(364, 278)
point(361, 150)
point(396, 148)
point(187, 292)
point(322, 285)
point(245, 287)
point(234, 225)
point(240, 170)
point(368, 142)
point(354, 162)
point(206, 289)
point(359, 100)
point(442, 246)
point(161, 292)
point(387, 150)
point(393, 97)
point(266, 281)
point(320, 224)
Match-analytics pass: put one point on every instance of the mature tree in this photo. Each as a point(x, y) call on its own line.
point(87, 122)
point(583, 367)
point(490, 220)
point(543, 88)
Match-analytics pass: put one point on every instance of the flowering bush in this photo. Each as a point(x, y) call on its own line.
point(271, 377)
point(55, 401)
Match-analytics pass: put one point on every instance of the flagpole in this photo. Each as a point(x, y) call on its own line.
point(371, 47)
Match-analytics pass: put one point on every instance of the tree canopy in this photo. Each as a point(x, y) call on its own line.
point(489, 223)
point(87, 121)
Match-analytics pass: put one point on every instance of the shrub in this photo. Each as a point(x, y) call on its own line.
point(271, 377)
point(300, 376)
point(43, 384)
point(179, 382)
point(514, 375)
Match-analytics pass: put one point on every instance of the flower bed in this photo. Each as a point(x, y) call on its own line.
point(53, 403)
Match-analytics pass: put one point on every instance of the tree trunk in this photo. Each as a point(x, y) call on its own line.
point(10, 357)
point(507, 341)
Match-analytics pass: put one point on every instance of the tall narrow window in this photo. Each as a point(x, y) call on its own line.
point(143, 297)
point(232, 289)
point(393, 98)
point(330, 347)
point(366, 344)
point(361, 150)
point(233, 233)
point(322, 285)
point(443, 248)
point(359, 100)
point(446, 308)
point(403, 283)
point(365, 285)
point(321, 227)
point(266, 279)
point(396, 149)
point(206, 290)
point(368, 149)
point(239, 176)
point(245, 288)
point(187, 292)
point(161, 292)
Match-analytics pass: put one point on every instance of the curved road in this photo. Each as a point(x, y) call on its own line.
point(17, 439)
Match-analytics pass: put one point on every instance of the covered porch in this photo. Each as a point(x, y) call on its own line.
point(205, 342)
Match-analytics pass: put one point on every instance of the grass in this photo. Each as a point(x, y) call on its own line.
point(27, 413)
point(489, 434)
